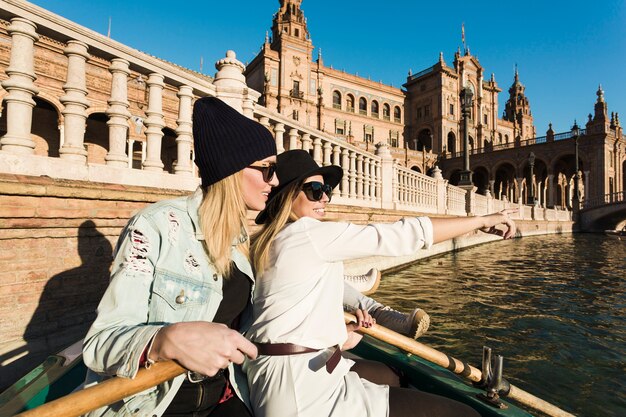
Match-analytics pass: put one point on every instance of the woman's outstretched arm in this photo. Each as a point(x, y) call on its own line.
point(445, 228)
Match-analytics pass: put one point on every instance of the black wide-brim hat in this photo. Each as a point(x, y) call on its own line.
point(297, 165)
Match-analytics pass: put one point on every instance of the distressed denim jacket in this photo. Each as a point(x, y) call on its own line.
point(160, 275)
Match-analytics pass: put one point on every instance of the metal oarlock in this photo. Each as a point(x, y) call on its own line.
point(492, 381)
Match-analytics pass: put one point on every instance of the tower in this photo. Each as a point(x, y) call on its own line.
point(283, 71)
point(517, 110)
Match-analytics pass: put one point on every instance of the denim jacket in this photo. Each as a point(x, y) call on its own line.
point(160, 275)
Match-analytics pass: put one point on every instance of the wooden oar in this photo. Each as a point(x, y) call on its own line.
point(106, 392)
point(454, 365)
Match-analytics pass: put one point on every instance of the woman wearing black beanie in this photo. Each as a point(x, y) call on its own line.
point(181, 281)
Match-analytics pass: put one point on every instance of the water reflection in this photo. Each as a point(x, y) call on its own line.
point(554, 306)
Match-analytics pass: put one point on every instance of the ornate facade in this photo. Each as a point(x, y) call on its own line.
point(417, 122)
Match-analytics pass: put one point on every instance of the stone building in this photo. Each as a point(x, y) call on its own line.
point(417, 122)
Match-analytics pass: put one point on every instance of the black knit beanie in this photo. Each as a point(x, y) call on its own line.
point(225, 141)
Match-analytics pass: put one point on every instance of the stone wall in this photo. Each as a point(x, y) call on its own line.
point(56, 244)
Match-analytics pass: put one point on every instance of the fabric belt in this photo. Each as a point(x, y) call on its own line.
point(280, 349)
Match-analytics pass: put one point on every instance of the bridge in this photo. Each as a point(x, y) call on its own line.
point(604, 213)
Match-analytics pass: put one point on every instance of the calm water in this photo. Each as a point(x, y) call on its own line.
point(553, 306)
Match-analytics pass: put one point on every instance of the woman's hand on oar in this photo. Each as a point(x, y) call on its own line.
point(201, 346)
point(363, 319)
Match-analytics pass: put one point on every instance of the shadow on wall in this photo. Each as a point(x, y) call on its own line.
point(66, 308)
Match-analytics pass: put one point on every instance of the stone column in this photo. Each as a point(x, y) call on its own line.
point(327, 153)
point(359, 176)
point(247, 106)
point(585, 187)
point(317, 151)
point(352, 174)
point(551, 191)
point(118, 114)
point(336, 161)
point(345, 165)
point(279, 131)
point(386, 175)
point(154, 123)
point(372, 178)
point(131, 145)
point(75, 103)
point(306, 142)
point(365, 174)
point(21, 88)
point(61, 128)
point(378, 180)
point(184, 132)
point(265, 121)
point(293, 138)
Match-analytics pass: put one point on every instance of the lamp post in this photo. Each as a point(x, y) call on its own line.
point(531, 161)
point(466, 105)
point(575, 135)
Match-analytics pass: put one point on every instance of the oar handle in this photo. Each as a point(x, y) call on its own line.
point(106, 392)
point(454, 365)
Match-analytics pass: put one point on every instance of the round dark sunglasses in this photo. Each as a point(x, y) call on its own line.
point(315, 190)
point(268, 169)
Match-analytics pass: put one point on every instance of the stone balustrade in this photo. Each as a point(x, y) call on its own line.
point(145, 107)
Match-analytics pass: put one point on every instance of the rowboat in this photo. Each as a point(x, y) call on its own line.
point(63, 373)
point(616, 234)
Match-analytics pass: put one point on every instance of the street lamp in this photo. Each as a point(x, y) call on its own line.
point(576, 134)
point(466, 106)
point(531, 161)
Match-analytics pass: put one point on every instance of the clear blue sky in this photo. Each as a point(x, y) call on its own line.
point(563, 49)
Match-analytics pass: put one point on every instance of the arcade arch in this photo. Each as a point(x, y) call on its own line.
point(505, 186)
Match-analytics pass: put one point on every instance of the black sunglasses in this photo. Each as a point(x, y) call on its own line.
point(315, 190)
point(268, 169)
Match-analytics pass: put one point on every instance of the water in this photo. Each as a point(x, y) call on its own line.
point(553, 306)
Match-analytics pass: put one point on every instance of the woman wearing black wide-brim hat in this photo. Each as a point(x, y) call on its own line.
point(181, 278)
point(298, 323)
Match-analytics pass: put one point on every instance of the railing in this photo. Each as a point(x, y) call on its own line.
point(455, 201)
point(297, 94)
point(481, 205)
point(415, 191)
point(611, 198)
point(513, 144)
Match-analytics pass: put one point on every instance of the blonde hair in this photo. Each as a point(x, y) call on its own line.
point(279, 213)
point(222, 217)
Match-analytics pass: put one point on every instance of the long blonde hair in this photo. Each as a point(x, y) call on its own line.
point(279, 213)
point(222, 216)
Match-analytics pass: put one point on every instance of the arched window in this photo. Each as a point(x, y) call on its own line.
point(397, 114)
point(336, 100)
point(374, 108)
point(386, 111)
point(362, 106)
point(350, 103)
